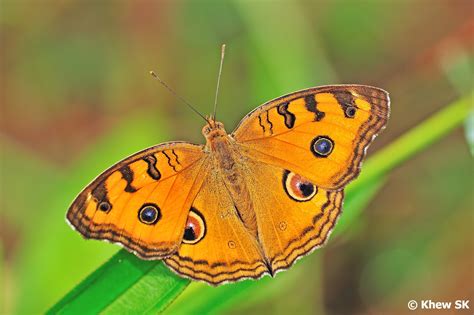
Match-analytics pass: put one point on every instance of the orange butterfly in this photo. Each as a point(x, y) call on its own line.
point(244, 204)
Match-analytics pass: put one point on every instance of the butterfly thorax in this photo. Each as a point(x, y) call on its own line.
point(229, 165)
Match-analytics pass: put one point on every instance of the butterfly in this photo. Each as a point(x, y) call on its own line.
point(245, 204)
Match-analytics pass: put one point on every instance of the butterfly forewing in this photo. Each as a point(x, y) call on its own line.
point(143, 201)
point(326, 129)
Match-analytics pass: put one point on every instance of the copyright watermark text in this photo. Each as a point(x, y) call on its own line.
point(438, 305)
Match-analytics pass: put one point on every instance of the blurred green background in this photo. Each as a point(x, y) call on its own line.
point(76, 97)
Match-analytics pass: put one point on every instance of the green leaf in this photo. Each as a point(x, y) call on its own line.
point(126, 283)
point(108, 282)
point(152, 294)
point(469, 131)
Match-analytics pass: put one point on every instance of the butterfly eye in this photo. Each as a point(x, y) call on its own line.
point(350, 111)
point(322, 146)
point(149, 214)
point(206, 130)
point(195, 228)
point(298, 187)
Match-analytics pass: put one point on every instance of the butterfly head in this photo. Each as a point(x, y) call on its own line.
point(213, 130)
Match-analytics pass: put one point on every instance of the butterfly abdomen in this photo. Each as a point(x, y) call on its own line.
point(228, 164)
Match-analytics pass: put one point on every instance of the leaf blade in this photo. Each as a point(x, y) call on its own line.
point(115, 276)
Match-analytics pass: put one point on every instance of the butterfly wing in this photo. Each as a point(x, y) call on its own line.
point(143, 201)
point(294, 216)
point(217, 248)
point(321, 133)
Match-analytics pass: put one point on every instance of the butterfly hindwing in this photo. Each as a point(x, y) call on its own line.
point(217, 247)
point(136, 203)
point(294, 216)
point(321, 133)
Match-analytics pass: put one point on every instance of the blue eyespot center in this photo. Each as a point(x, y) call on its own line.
point(350, 112)
point(105, 206)
point(322, 146)
point(149, 214)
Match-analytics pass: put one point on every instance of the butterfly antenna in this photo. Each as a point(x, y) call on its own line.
point(178, 96)
point(218, 80)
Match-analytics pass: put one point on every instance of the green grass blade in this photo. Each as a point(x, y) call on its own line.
point(114, 277)
point(152, 294)
point(131, 285)
point(125, 282)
